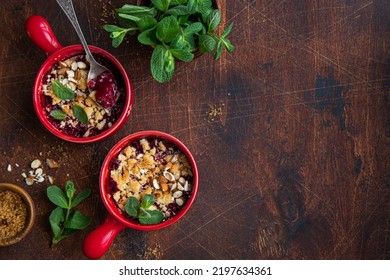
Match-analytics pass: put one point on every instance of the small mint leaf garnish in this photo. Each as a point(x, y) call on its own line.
point(58, 114)
point(61, 91)
point(141, 212)
point(80, 114)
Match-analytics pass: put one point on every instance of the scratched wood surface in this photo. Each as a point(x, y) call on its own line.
point(295, 166)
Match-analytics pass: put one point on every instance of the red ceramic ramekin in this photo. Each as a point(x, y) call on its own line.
point(99, 241)
point(40, 32)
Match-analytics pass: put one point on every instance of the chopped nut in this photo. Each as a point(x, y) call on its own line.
point(29, 180)
point(170, 177)
point(38, 172)
point(182, 180)
point(52, 163)
point(185, 186)
point(36, 164)
point(51, 179)
point(74, 66)
point(177, 194)
point(9, 168)
point(81, 65)
point(179, 201)
point(70, 74)
point(180, 187)
point(39, 179)
point(174, 158)
point(156, 185)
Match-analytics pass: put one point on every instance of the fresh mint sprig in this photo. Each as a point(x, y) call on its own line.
point(175, 28)
point(65, 220)
point(141, 211)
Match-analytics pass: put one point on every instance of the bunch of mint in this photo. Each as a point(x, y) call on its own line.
point(175, 28)
point(65, 220)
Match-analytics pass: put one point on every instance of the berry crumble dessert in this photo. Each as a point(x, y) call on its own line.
point(151, 167)
point(70, 106)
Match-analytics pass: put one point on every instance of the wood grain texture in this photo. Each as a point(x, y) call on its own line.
point(296, 166)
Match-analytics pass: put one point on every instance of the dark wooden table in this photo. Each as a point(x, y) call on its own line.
point(294, 163)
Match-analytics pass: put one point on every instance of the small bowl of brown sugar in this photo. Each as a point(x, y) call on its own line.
point(17, 214)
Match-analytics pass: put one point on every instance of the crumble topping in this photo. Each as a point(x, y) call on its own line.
point(152, 166)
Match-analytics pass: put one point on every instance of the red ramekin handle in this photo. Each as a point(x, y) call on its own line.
point(100, 240)
point(40, 32)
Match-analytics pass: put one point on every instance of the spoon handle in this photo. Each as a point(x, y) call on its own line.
point(67, 7)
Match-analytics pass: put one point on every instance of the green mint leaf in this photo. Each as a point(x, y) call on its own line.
point(213, 20)
point(205, 5)
point(180, 10)
point(118, 40)
point(81, 196)
point(162, 64)
point(195, 27)
point(148, 37)
point(169, 66)
point(227, 31)
point(229, 47)
point(167, 29)
point(205, 15)
point(146, 23)
point(56, 217)
point(112, 28)
point(80, 114)
point(219, 50)
point(199, 5)
point(183, 55)
point(65, 233)
point(182, 42)
point(178, 2)
point(130, 17)
point(132, 206)
point(57, 196)
point(116, 34)
point(58, 114)
point(134, 9)
point(69, 189)
point(147, 201)
point(151, 217)
point(61, 91)
point(77, 221)
point(206, 43)
point(124, 22)
point(182, 20)
point(161, 5)
point(192, 6)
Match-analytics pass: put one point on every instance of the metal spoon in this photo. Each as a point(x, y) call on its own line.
point(95, 68)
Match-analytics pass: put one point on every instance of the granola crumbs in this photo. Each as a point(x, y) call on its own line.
point(214, 112)
point(151, 254)
point(13, 214)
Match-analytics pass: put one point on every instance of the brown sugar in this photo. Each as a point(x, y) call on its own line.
point(13, 214)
